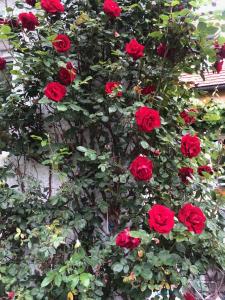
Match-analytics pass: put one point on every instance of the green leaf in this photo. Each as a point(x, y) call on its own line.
point(81, 149)
point(194, 269)
point(117, 267)
point(74, 282)
point(144, 145)
point(48, 279)
point(5, 29)
point(212, 117)
point(85, 279)
point(156, 34)
point(61, 107)
point(112, 109)
point(140, 234)
point(58, 280)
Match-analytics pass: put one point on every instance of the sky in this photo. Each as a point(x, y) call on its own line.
point(220, 4)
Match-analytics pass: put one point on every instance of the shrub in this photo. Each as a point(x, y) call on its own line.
point(96, 97)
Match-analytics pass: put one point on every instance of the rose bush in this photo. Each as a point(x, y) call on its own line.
point(96, 97)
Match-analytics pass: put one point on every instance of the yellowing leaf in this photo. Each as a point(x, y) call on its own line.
point(70, 296)
point(82, 19)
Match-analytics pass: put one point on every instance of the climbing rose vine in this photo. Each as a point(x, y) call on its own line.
point(94, 98)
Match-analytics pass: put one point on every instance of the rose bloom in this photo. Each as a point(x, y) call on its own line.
point(2, 63)
point(206, 169)
point(134, 49)
point(111, 8)
point(141, 168)
point(189, 296)
point(218, 66)
point(52, 6)
point(161, 50)
point(111, 86)
point(149, 89)
point(156, 152)
point(55, 91)
point(185, 173)
point(3, 21)
point(161, 218)
point(69, 65)
point(28, 21)
point(61, 43)
point(31, 2)
point(66, 76)
point(124, 240)
point(147, 119)
point(190, 146)
point(192, 217)
point(188, 116)
point(11, 295)
point(221, 51)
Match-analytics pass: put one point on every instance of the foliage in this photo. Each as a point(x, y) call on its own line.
point(52, 245)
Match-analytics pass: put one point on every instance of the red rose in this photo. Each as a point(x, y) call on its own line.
point(141, 168)
point(31, 2)
point(55, 91)
point(216, 45)
point(61, 43)
point(156, 152)
point(52, 6)
point(147, 119)
point(148, 90)
point(134, 49)
point(3, 21)
point(185, 173)
point(28, 20)
point(190, 146)
point(192, 217)
point(188, 116)
point(69, 65)
point(189, 296)
point(2, 63)
point(161, 218)
point(11, 295)
point(218, 66)
point(111, 8)
point(66, 76)
point(162, 50)
point(221, 51)
point(111, 86)
point(206, 169)
point(124, 240)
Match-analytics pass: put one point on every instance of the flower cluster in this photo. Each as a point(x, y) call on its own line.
point(186, 173)
point(161, 220)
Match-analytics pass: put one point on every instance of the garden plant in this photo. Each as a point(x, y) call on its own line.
point(93, 92)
